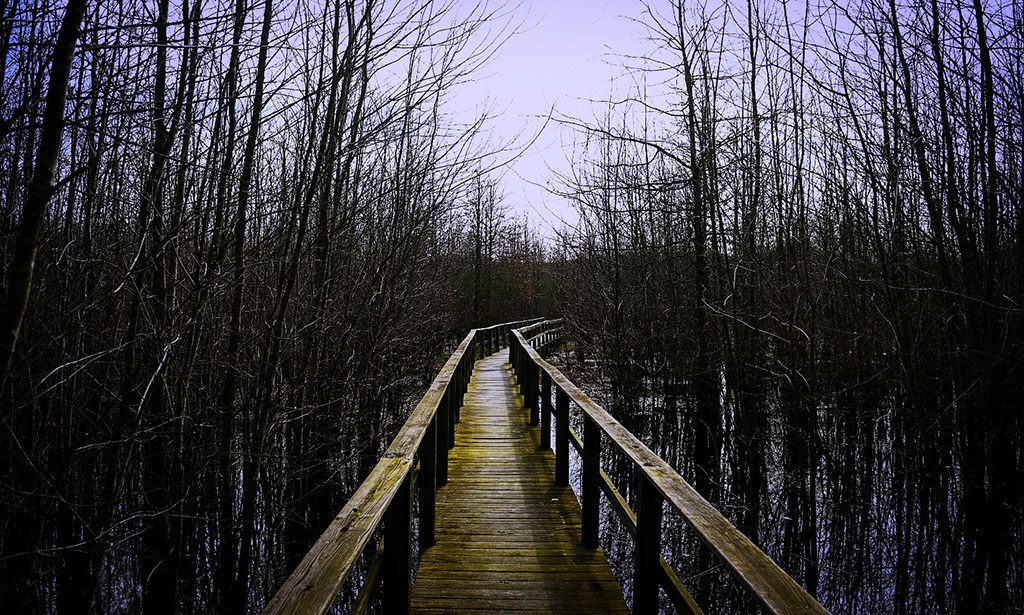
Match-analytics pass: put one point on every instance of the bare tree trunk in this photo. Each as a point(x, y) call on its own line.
point(227, 541)
point(239, 594)
point(37, 196)
point(22, 533)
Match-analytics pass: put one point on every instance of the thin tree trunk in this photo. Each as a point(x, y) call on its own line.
point(37, 196)
point(239, 592)
point(23, 532)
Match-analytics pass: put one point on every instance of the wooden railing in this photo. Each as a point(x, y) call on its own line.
point(386, 497)
point(658, 483)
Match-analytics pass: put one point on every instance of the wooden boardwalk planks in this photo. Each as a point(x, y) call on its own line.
point(508, 538)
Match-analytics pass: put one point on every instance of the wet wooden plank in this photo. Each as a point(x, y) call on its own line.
point(508, 538)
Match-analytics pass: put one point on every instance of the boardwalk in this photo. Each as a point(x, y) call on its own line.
point(508, 538)
point(505, 538)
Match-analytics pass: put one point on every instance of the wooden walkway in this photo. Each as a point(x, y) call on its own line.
point(508, 538)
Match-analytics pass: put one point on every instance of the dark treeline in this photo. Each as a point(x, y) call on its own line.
point(799, 273)
point(265, 231)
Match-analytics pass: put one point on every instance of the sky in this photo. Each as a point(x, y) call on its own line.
point(563, 57)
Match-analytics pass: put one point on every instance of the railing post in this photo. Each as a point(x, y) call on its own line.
point(467, 369)
point(441, 442)
point(647, 552)
point(519, 360)
point(457, 400)
point(513, 353)
point(428, 485)
point(532, 369)
point(561, 438)
point(591, 477)
point(453, 394)
point(397, 573)
point(545, 411)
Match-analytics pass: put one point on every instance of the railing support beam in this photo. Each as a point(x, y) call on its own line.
point(464, 373)
point(451, 396)
point(647, 555)
point(545, 412)
point(428, 485)
point(397, 575)
point(591, 482)
point(532, 396)
point(561, 438)
point(441, 441)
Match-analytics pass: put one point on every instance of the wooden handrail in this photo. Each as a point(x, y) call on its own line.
point(542, 326)
point(658, 482)
point(385, 496)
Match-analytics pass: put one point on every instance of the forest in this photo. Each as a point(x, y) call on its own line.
point(239, 238)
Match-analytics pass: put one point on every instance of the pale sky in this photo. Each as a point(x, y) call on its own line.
point(564, 56)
